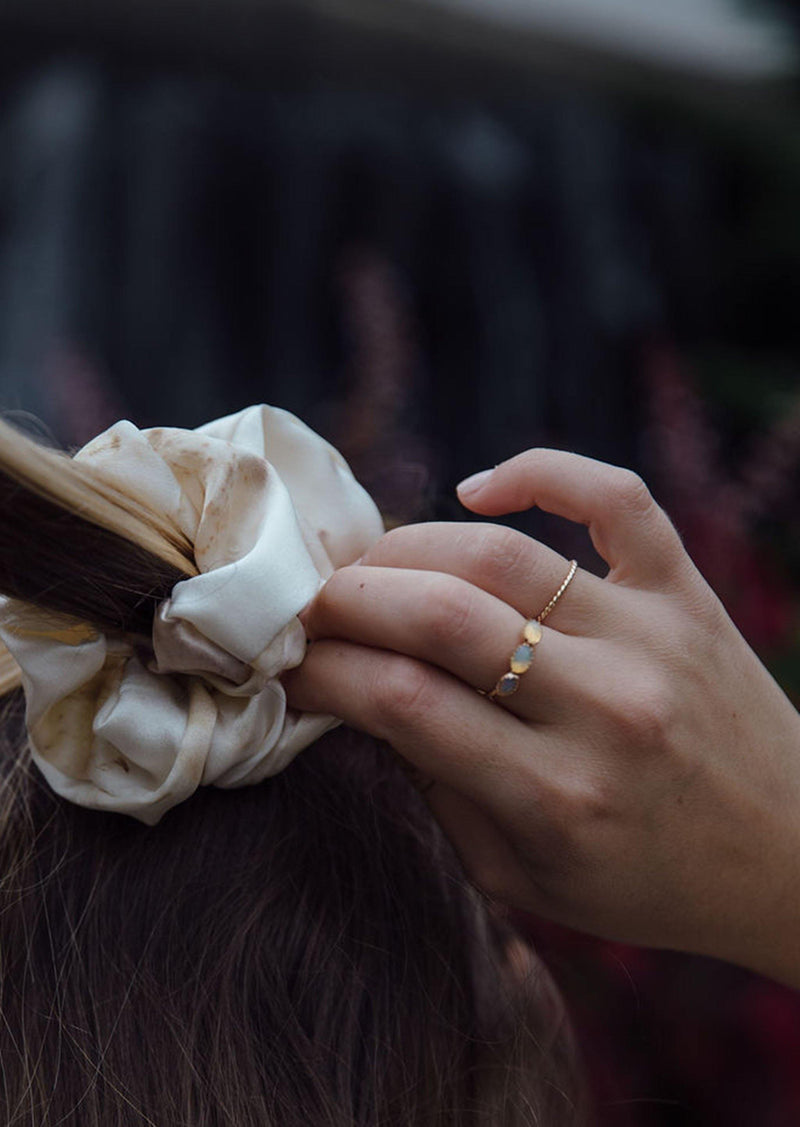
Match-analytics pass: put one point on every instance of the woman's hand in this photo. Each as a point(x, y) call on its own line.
point(644, 782)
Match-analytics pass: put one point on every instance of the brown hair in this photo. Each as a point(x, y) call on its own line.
point(303, 952)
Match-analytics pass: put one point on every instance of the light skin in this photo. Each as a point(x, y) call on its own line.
point(644, 782)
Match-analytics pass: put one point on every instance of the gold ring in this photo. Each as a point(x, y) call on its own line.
point(532, 634)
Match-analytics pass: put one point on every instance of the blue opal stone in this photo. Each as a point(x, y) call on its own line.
point(521, 658)
point(507, 685)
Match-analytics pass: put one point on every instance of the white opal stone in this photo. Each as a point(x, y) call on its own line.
point(533, 632)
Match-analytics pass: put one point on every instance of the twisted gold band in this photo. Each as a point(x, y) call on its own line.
point(573, 567)
point(532, 634)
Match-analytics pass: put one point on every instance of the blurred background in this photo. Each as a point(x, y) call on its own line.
point(442, 231)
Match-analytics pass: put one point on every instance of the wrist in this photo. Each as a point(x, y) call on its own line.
point(764, 931)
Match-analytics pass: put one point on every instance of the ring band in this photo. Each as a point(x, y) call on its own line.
point(532, 634)
point(573, 567)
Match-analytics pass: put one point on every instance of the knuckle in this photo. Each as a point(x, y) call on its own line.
point(499, 554)
point(647, 713)
point(450, 613)
point(585, 799)
point(585, 817)
point(580, 810)
point(627, 492)
point(401, 691)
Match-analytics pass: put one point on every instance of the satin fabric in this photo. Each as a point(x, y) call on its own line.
point(271, 509)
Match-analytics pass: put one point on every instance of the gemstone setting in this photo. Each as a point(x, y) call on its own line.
point(533, 632)
point(507, 685)
point(522, 658)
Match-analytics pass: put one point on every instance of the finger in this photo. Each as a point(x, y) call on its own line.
point(629, 530)
point(503, 562)
point(443, 728)
point(446, 622)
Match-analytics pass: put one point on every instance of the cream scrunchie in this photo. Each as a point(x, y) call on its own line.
point(271, 509)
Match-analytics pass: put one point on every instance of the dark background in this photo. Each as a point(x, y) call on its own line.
point(439, 242)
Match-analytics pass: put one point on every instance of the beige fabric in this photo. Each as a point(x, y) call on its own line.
point(272, 510)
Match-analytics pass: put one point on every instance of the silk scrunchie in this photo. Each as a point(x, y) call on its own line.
point(271, 509)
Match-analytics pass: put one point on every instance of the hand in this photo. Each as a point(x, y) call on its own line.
point(644, 782)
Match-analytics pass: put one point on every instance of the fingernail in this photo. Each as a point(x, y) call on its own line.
point(472, 484)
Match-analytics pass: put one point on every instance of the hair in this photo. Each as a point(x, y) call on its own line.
point(303, 952)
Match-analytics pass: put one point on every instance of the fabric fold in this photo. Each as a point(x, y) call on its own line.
point(271, 509)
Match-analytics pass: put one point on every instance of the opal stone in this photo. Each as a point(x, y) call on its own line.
point(521, 658)
point(532, 632)
point(507, 685)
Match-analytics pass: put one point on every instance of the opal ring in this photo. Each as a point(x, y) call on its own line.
point(532, 634)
